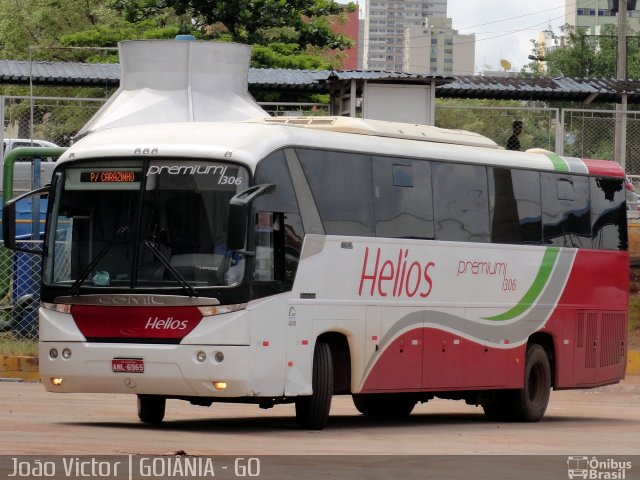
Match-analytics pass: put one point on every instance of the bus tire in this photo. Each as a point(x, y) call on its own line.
point(384, 405)
point(531, 402)
point(312, 412)
point(527, 404)
point(151, 408)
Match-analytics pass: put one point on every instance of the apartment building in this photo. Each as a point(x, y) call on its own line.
point(593, 14)
point(435, 48)
point(384, 32)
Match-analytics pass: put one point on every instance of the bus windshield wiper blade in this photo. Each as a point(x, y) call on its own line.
point(165, 263)
point(75, 288)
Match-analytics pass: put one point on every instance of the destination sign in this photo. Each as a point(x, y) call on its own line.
point(110, 176)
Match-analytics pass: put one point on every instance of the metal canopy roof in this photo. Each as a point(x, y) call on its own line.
point(269, 79)
point(585, 90)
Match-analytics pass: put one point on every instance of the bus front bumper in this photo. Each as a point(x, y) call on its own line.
point(170, 370)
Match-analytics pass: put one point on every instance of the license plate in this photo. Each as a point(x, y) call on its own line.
point(127, 365)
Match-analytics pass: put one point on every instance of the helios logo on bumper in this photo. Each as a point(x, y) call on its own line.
point(155, 323)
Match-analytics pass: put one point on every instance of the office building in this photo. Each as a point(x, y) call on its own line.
point(435, 48)
point(384, 32)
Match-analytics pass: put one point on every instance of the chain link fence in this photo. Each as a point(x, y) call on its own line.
point(595, 134)
point(582, 133)
point(539, 124)
point(31, 121)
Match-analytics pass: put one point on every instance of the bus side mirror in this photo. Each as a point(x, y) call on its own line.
point(237, 230)
point(239, 214)
point(9, 221)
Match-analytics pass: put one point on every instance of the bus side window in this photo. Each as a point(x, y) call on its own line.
point(460, 202)
point(566, 210)
point(608, 214)
point(514, 197)
point(278, 241)
point(265, 246)
point(278, 233)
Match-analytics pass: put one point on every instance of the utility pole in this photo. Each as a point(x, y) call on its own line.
point(621, 70)
point(621, 73)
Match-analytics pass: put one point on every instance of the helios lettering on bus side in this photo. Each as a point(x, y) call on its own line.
point(396, 277)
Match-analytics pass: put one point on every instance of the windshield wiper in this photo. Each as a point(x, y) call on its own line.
point(165, 263)
point(75, 288)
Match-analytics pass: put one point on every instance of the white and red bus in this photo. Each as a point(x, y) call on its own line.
point(289, 260)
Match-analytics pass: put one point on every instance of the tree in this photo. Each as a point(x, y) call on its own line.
point(586, 56)
point(256, 22)
point(284, 34)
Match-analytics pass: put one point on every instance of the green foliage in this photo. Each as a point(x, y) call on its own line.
point(253, 21)
point(286, 55)
point(79, 30)
point(497, 124)
point(586, 56)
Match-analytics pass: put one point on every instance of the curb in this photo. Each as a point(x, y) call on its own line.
point(633, 362)
point(19, 368)
point(26, 368)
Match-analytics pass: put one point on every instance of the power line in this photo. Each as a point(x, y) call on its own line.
point(520, 16)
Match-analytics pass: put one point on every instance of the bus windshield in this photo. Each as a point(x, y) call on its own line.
point(142, 224)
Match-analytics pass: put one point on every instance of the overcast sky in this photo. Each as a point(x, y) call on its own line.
point(504, 28)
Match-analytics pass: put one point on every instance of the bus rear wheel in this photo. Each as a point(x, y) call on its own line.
point(384, 405)
point(529, 403)
point(151, 408)
point(312, 412)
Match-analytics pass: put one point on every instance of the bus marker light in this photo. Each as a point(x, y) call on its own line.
point(57, 381)
point(66, 354)
point(220, 385)
point(265, 344)
point(57, 307)
point(290, 363)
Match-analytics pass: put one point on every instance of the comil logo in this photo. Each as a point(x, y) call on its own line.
point(155, 323)
point(596, 468)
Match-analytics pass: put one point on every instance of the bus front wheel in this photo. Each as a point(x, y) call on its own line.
point(151, 408)
point(312, 412)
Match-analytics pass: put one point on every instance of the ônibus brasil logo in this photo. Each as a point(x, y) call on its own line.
point(597, 469)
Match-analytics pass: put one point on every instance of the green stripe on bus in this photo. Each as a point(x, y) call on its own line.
point(548, 262)
point(559, 163)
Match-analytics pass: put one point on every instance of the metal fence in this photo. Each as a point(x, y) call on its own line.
point(31, 121)
point(572, 132)
point(583, 133)
point(539, 124)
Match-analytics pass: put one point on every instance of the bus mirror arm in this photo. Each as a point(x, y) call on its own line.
point(9, 220)
point(238, 216)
